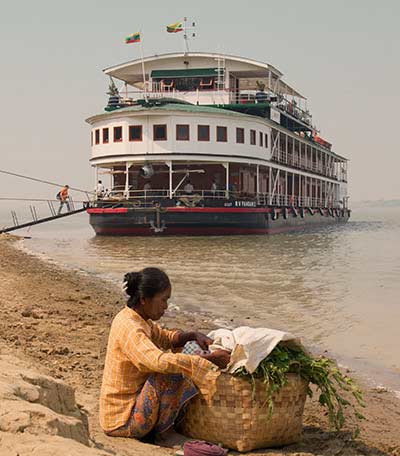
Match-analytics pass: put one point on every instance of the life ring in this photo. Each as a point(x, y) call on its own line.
point(302, 212)
point(337, 213)
point(294, 210)
point(330, 212)
point(136, 203)
point(285, 213)
point(321, 211)
point(310, 211)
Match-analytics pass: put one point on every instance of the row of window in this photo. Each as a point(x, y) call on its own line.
point(135, 133)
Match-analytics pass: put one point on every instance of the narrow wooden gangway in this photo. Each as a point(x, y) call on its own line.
point(54, 212)
point(36, 221)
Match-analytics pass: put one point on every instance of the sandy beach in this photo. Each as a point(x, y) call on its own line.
point(55, 321)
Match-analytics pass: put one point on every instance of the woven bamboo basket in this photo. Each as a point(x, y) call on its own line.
point(237, 416)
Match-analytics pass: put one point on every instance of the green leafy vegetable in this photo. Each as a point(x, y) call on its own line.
point(322, 372)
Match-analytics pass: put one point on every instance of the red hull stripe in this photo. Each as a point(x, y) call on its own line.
point(116, 210)
point(124, 210)
point(219, 209)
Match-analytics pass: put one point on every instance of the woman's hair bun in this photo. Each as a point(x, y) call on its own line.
point(132, 283)
point(144, 284)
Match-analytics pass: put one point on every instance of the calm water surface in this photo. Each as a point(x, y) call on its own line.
point(338, 288)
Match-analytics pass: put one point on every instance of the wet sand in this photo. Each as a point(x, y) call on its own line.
point(58, 320)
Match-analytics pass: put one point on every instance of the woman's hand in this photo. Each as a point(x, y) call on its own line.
point(202, 340)
point(182, 337)
point(219, 357)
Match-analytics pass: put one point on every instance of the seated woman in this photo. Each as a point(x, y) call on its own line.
point(144, 387)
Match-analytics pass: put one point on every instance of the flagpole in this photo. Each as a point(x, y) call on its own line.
point(185, 37)
point(143, 72)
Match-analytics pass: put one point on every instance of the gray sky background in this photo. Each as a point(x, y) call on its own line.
point(342, 55)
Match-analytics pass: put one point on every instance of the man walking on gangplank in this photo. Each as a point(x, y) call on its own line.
point(63, 196)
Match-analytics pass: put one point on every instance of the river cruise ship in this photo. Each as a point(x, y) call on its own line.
point(197, 143)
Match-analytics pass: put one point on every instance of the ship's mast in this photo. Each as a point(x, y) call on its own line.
point(188, 32)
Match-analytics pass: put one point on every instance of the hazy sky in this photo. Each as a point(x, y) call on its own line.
point(343, 55)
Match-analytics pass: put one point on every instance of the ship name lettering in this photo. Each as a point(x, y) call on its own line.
point(245, 203)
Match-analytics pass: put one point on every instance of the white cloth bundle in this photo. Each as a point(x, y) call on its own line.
point(249, 346)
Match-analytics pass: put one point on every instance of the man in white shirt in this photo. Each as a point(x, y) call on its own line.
point(188, 188)
point(214, 187)
point(100, 189)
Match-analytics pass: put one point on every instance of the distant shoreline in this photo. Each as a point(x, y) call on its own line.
point(376, 203)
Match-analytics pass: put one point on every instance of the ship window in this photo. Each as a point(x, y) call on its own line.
point(105, 135)
point(117, 134)
point(97, 136)
point(266, 140)
point(222, 134)
point(182, 132)
point(203, 132)
point(261, 136)
point(240, 135)
point(135, 133)
point(252, 137)
point(160, 132)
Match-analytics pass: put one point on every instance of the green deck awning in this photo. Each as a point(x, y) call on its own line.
point(189, 73)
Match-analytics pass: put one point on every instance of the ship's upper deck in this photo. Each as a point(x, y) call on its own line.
point(204, 78)
point(210, 69)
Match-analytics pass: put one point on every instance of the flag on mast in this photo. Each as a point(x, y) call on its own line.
point(134, 38)
point(175, 28)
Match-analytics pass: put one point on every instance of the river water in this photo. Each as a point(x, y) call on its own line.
point(338, 288)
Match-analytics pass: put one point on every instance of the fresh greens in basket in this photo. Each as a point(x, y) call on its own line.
point(322, 372)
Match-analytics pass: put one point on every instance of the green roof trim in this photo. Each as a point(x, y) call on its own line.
point(191, 73)
point(200, 109)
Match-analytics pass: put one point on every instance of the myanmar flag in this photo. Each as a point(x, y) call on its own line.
point(175, 28)
point(134, 38)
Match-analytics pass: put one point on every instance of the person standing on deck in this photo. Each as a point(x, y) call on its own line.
point(214, 187)
point(188, 188)
point(64, 199)
point(100, 189)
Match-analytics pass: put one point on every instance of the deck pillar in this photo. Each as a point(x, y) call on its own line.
point(96, 177)
point(169, 164)
point(258, 180)
point(226, 166)
point(127, 166)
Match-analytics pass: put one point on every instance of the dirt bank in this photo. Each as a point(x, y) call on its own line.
point(58, 320)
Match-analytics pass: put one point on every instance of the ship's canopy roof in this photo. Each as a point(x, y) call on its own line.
point(203, 64)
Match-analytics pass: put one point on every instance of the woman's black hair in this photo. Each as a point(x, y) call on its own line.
point(145, 284)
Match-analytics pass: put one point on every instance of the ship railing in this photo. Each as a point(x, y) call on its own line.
point(301, 163)
point(292, 108)
point(196, 96)
point(213, 194)
point(214, 95)
point(277, 100)
point(149, 197)
point(119, 193)
point(160, 90)
point(280, 199)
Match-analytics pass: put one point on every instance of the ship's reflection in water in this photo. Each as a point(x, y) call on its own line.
point(337, 287)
